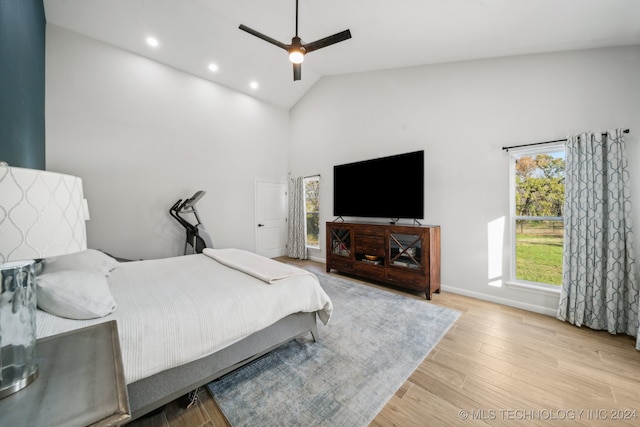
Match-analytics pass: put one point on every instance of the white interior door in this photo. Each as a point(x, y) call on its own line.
point(271, 218)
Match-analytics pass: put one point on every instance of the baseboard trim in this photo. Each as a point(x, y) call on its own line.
point(477, 295)
point(503, 301)
point(318, 259)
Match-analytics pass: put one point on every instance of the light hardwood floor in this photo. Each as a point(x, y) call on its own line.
point(497, 366)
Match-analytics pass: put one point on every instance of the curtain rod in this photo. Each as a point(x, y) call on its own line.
point(546, 142)
point(308, 176)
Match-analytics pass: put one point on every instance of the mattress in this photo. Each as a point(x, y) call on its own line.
point(175, 310)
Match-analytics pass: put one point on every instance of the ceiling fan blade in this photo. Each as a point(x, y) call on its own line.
point(297, 72)
point(263, 37)
point(328, 41)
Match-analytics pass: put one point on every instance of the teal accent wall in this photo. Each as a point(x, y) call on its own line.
point(22, 65)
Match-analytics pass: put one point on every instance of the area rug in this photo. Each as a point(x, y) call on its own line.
point(373, 343)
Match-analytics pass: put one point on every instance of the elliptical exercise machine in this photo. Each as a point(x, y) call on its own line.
point(197, 236)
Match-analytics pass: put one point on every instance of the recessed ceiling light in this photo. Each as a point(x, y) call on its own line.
point(152, 41)
point(253, 85)
point(213, 67)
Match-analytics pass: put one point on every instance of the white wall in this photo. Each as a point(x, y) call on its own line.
point(143, 135)
point(461, 114)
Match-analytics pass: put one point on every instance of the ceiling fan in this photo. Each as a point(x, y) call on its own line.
point(297, 49)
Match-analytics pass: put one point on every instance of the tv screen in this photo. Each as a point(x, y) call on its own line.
point(388, 187)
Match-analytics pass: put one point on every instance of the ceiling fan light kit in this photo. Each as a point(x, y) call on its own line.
point(297, 50)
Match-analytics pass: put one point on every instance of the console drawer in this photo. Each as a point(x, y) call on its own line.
point(345, 265)
point(375, 271)
point(373, 232)
point(370, 246)
point(406, 279)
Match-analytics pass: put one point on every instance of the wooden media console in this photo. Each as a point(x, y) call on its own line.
point(401, 255)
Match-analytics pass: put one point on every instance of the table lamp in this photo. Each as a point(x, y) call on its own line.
point(42, 214)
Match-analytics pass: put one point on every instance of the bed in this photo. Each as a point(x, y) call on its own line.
point(182, 321)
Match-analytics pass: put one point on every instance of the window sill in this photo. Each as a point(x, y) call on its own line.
point(534, 288)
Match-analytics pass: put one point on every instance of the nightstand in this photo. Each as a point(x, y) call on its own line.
point(80, 382)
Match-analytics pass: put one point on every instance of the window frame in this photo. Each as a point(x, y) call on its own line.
point(513, 282)
point(304, 183)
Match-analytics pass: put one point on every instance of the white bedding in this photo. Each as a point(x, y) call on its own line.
point(175, 310)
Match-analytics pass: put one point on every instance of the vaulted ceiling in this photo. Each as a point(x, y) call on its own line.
point(192, 34)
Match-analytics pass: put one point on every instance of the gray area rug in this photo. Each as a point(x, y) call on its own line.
point(373, 343)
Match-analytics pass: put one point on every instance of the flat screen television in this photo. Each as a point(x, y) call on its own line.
point(387, 187)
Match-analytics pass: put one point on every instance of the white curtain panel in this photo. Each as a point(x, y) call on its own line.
point(600, 287)
point(297, 244)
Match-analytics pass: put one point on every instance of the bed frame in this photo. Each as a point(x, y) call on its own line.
point(152, 392)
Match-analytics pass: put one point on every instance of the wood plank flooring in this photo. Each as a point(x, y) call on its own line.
point(496, 366)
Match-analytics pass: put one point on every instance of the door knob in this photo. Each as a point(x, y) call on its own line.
point(260, 225)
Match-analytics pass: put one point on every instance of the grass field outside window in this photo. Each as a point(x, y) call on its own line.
point(539, 251)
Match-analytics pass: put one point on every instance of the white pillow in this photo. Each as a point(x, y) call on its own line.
point(89, 259)
point(75, 294)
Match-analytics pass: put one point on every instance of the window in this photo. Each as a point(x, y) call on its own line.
point(537, 202)
point(312, 210)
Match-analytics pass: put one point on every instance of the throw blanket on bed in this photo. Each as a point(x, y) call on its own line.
point(262, 268)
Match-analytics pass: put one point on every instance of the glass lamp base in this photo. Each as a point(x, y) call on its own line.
point(17, 326)
point(18, 385)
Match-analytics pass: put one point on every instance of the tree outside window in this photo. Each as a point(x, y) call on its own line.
point(312, 210)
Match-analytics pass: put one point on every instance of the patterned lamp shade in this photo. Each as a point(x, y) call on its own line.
point(42, 214)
